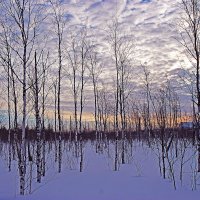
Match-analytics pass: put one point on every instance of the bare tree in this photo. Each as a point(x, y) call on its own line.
point(59, 22)
point(147, 82)
point(84, 50)
point(77, 55)
point(114, 41)
point(6, 62)
point(187, 80)
point(37, 117)
point(95, 69)
point(103, 109)
point(190, 40)
point(24, 19)
point(37, 84)
point(72, 56)
point(121, 46)
point(55, 83)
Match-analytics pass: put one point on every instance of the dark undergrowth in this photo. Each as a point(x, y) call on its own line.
point(50, 135)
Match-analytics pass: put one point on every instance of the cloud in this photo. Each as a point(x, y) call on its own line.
point(150, 22)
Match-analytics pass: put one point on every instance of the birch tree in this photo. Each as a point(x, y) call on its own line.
point(190, 39)
point(95, 69)
point(77, 53)
point(59, 24)
point(121, 49)
point(24, 15)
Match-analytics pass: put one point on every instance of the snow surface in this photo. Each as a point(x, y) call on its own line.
point(138, 180)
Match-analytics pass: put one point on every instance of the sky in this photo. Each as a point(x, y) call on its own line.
point(151, 22)
point(152, 25)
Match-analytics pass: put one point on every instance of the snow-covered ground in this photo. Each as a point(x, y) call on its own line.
point(138, 179)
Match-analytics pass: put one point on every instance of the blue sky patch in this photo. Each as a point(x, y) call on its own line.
point(145, 1)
